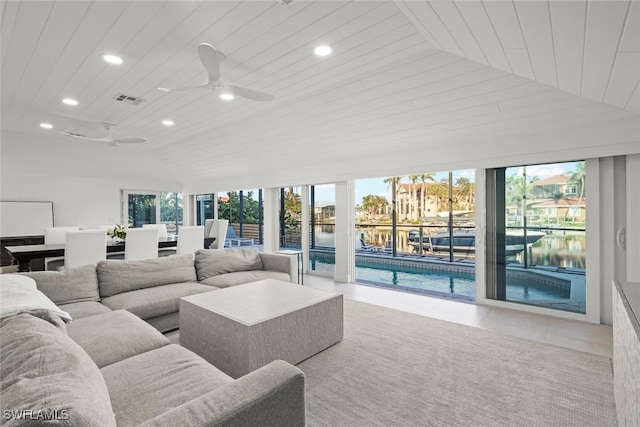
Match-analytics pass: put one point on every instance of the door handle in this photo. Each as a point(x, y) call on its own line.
point(621, 238)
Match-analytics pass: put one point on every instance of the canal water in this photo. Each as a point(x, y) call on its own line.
point(556, 249)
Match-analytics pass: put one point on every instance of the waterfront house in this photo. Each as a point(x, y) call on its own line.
point(407, 87)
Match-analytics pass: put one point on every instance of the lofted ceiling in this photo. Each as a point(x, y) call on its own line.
point(425, 79)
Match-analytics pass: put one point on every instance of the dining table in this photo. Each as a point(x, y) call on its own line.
point(23, 255)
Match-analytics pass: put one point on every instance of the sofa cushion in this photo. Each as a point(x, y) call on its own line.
point(118, 276)
point(242, 277)
point(68, 285)
point(156, 301)
point(78, 310)
point(122, 335)
point(44, 371)
point(151, 383)
point(211, 262)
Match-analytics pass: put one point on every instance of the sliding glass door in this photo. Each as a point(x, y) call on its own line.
point(537, 255)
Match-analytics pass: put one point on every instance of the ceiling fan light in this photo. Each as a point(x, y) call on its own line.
point(226, 96)
point(323, 50)
point(46, 125)
point(112, 59)
point(70, 101)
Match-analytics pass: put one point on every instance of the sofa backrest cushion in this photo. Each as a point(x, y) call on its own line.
point(44, 373)
point(117, 276)
point(211, 262)
point(69, 285)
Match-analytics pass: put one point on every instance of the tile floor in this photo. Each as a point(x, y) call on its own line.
point(596, 339)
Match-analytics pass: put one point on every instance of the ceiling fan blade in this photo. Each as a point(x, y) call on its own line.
point(177, 89)
point(129, 140)
point(82, 136)
point(210, 61)
point(251, 94)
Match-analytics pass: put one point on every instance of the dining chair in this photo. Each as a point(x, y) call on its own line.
point(141, 243)
point(55, 236)
point(84, 247)
point(162, 229)
point(162, 234)
point(218, 230)
point(190, 239)
point(111, 255)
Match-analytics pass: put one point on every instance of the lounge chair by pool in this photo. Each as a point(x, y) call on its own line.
point(232, 238)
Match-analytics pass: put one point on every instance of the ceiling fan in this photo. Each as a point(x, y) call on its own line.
point(106, 138)
point(211, 62)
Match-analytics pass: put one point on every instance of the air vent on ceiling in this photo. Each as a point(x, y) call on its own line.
point(128, 99)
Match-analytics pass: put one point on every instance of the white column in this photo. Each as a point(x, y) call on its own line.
point(632, 232)
point(345, 239)
point(481, 235)
point(271, 219)
point(304, 229)
point(188, 209)
point(593, 230)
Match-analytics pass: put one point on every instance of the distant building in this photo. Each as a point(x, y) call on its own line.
point(325, 212)
point(554, 199)
point(554, 186)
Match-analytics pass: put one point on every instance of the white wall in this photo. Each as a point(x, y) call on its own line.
point(83, 202)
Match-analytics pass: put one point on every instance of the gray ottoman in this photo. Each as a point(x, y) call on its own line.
point(244, 327)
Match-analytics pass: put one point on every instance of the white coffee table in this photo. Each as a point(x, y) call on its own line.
point(241, 328)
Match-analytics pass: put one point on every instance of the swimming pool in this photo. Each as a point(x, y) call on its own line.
point(440, 282)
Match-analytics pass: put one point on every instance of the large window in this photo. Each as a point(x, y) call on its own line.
point(140, 208)
point(538, 219)
point(322, 228)
point(171, 210)
point(151, 207)
point(205, 208)
point(244, 210)
point(290, 218)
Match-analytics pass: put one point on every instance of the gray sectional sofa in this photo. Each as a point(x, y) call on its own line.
point(151, 289)
point(110, 367)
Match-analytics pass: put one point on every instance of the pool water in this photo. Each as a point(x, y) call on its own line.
point(440, 283)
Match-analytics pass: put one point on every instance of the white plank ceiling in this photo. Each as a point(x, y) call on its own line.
point(403, 75)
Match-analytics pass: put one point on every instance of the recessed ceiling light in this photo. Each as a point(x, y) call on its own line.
point(46, 125)
point(168, 122)
point(226, 96)
point(70, 101)
point(112, 59)
point(323, 50)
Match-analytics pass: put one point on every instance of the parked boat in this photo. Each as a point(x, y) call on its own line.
point(464, 241)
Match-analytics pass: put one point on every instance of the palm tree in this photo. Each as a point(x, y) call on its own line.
point(430, 176)
point(414, 196)
point(464, 190)
point(578, 178)
point(392, 182)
